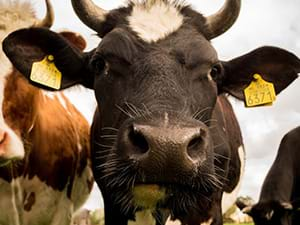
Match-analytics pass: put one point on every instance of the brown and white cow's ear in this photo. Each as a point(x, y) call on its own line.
point(75, 38)
point(27, 46)
point(275, 65)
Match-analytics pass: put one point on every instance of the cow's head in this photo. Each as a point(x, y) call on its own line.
point(17, 97)
point(13, 16)
point(156, 78)
point(270, 212)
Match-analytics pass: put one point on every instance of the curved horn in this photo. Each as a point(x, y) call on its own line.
point(222, 20)
point(49, 18)
point(89, 13)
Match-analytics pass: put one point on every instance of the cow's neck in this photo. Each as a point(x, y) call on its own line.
point(18, 105)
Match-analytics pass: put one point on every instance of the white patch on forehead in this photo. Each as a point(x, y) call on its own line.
point(143, 218)
point(154, 20)
point(229, 198)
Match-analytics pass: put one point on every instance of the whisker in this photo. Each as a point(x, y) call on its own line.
point(200, 114)
point(103, 145)
point(133, 109)
point(124, 111)
point(218, 145)
point(109, 136)
point(110, 128)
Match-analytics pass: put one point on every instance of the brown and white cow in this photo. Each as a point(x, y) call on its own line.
point(165, 140)
point(45, 171)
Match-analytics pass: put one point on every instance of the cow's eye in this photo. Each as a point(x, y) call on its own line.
point(97, 64)
point(216, 70)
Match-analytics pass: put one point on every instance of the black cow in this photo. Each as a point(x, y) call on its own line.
point(279, 198)
point(165, 140)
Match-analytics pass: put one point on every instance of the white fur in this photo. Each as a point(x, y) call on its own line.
point(16, 196)
point(173, 222)
point(49, 94)
point(51, 206)
point(42, 211)
point(62, 100)
point(80, 191)
point(177, 222)
point(13, 146)
point(208, 222)
point(143, 218)
point(229, 198)
point(154, 20)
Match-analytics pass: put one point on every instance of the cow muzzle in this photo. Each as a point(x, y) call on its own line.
point(166, 148)
point(11, 147)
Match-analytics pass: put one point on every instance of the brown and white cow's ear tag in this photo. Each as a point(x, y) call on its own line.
point(46, 73)
point(259, 92)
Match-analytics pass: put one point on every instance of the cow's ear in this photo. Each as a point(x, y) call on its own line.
point(28, 46)
point(286, 206)
point(275, 65)
point(75, 38)
point(247, 210)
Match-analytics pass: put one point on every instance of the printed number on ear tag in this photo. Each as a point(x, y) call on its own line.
point(46, 73)
point(259, 92)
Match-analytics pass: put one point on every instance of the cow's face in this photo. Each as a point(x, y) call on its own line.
point(15, 118)
point(271, 213)
point(156, 79)
point(159, 97)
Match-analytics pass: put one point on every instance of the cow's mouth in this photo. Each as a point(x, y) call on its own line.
point(148, 195)
point(5, 161)
point(166, 195)
point(178, 200)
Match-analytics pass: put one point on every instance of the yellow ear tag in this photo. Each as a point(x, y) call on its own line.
point(46, 73)
point(259, 92)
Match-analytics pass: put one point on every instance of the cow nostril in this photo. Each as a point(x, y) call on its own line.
point(194, 147)
point(138, 140)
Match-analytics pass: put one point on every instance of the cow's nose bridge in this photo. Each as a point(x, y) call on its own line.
point(166, 137)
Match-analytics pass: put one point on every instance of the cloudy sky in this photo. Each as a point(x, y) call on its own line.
point(267, 22)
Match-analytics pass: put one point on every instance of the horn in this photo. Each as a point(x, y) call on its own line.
point(49, 18)
point(222, 20)
point(89, 13)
